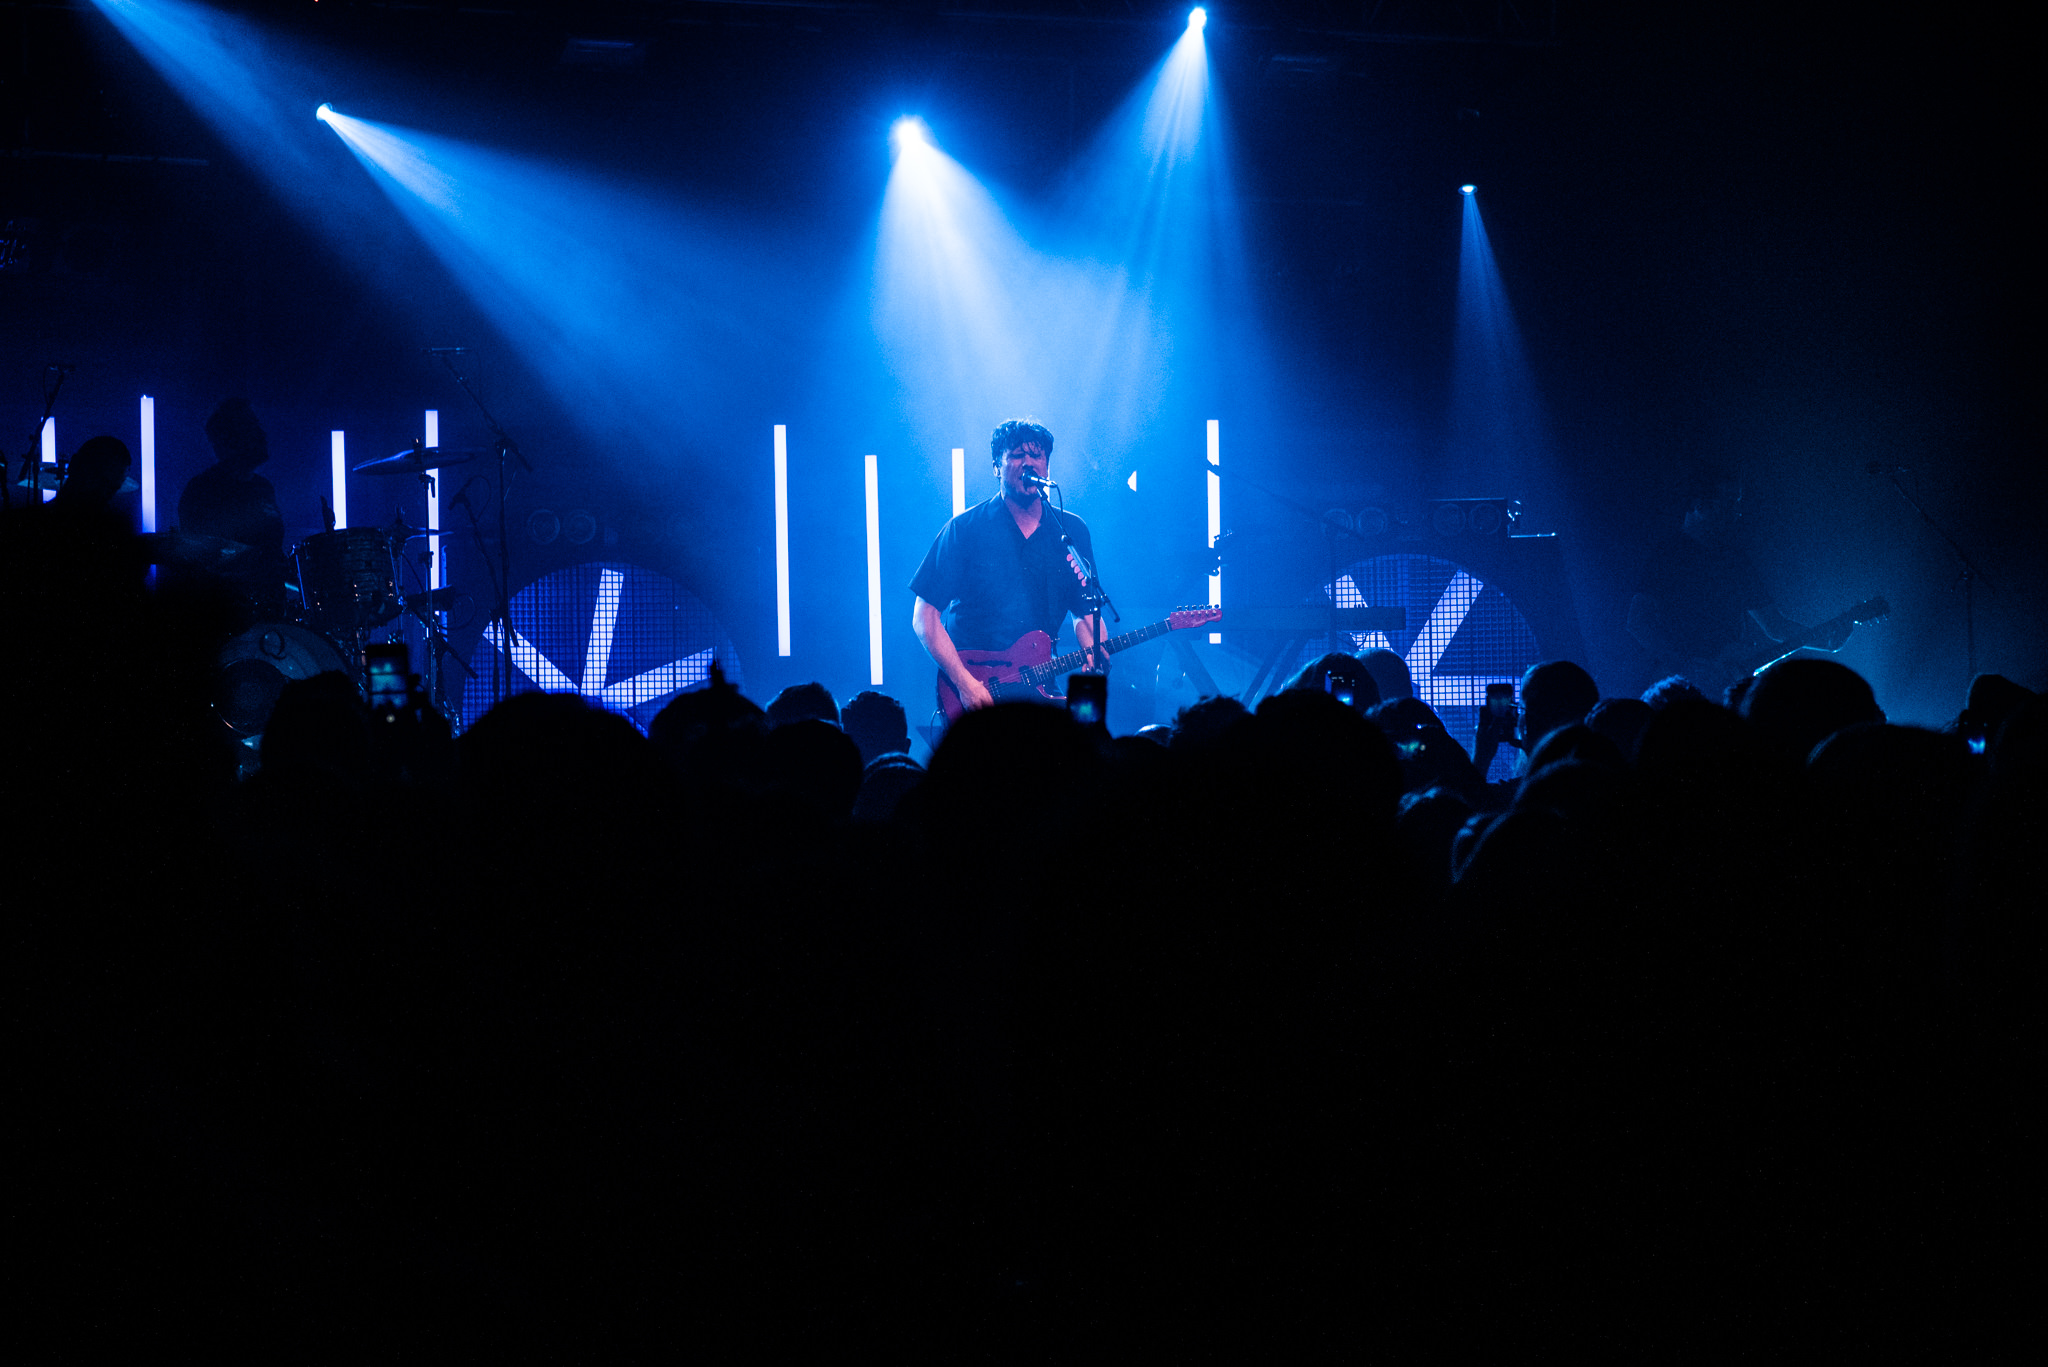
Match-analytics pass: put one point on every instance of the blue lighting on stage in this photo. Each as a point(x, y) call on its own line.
point(1498, 439)
point(1113, 309)
point(627, 305)
point(975, 320)
point(323, 111)
point(242, 80)
point(1198, 18)
point(1467, 189)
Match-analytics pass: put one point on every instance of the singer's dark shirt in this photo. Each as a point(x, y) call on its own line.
point(992, 584)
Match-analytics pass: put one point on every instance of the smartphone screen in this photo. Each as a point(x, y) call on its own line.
point(1500, 700)
point(1088, 698)
point(390, 683)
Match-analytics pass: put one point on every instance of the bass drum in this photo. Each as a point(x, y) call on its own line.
point(256, 665)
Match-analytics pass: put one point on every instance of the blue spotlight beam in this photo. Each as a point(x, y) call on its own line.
point(1497, 424)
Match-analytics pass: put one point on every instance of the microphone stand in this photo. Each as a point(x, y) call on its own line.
point(1091, 587)
point(501, 613)
point(1969, 573)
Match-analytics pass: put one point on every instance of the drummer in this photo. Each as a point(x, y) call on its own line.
point(230, 500)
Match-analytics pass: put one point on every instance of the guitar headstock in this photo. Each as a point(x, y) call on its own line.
point(1187, 619)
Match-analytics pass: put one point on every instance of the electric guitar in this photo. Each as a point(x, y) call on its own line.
point(1727, 670)
point(1024, 672)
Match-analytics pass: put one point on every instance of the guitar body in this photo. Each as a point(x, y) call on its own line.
point(1025, 672)
point(1001, 671)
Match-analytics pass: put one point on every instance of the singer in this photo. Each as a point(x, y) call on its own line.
point(998, 571)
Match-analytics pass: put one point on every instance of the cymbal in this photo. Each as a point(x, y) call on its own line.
point(416, 460)
point(189, 548)
point(51, 477)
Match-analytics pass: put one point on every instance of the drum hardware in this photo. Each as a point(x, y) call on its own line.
point(189, 548)
point(50, 478)
point(416, 460)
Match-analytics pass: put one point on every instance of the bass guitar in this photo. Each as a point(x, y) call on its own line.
point(1025, 672)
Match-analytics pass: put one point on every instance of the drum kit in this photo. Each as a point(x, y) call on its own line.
point(349, 586)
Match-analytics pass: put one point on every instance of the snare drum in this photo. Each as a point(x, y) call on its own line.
point(348, 580)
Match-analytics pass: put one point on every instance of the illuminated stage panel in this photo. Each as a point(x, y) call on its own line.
point(625, 638)
point(1462, 634)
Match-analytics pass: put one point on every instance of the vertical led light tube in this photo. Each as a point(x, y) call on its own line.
point(959, 480)
point(781, 540)
point(431, 438)
point(49, 451)
point(340, 481)
point(1215, 518)
point(874, 577)
point(148, 424)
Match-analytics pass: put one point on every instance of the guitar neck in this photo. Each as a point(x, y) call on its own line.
point(1074, 659)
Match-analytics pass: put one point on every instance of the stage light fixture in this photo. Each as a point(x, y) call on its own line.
point(323, 111)
point(908, 132)
point(1467, 189)
point(1198, 18)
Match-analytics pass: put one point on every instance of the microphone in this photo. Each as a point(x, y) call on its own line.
point(461, 499)
point(1878, 467)
point(443, 350)
point(1040, 480)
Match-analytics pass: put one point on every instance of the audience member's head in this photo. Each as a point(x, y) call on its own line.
point(1621, 720)
point(877, 724)
point(813, 763)
point(1555, 693)
point(1341, 675)
point(884, 783)
point(1669, 689)
point(1390, 672)
point(1993, 698)
point(1206, 723)
point(1798, 703)
point(799, 702)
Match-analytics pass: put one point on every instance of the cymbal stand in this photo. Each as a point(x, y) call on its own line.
point(501, 609)
point(31, 456)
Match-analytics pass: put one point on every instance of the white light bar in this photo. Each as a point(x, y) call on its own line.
point(340, 482)
point(436, 576)
point(49, 451)
point(148, 423)
point(1215, 518)
point(959, 480)
point(781, 539)
point(874, 578)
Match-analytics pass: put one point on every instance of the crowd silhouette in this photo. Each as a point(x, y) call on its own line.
point(1714, 1027)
